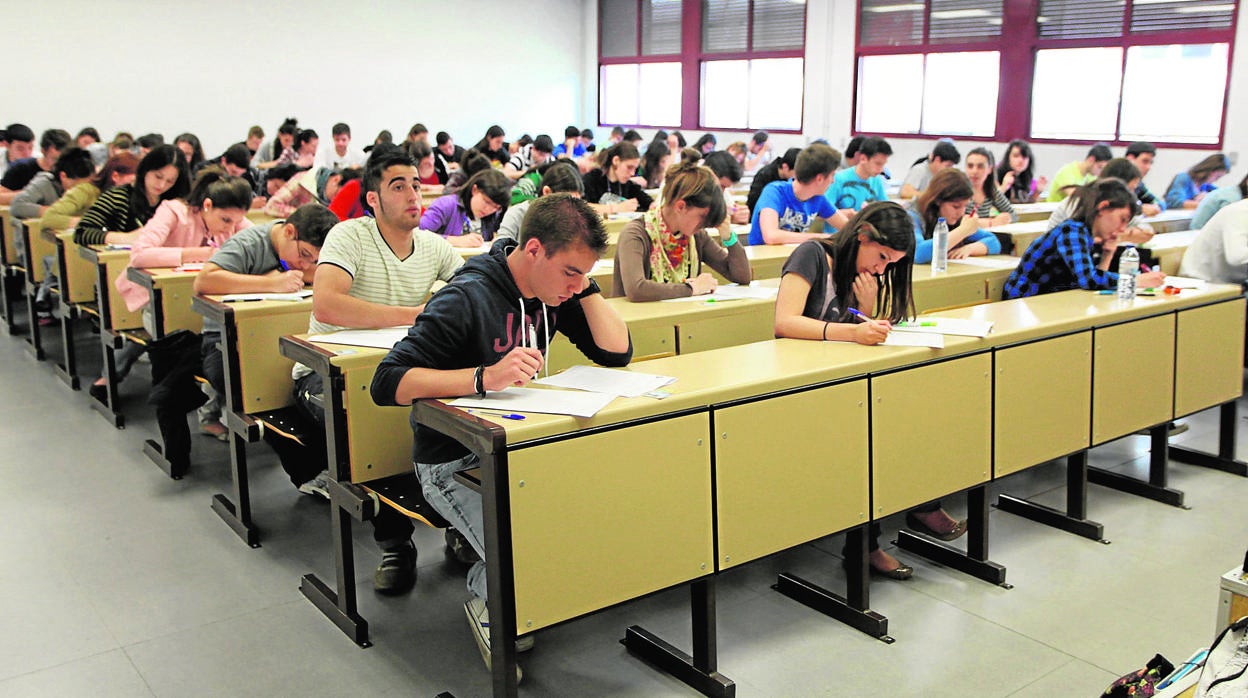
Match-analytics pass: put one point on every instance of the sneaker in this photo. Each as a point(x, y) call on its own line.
point(215, 429)
point(397, 572)
point(479, 623)
point(458, 547)
point(318, 485)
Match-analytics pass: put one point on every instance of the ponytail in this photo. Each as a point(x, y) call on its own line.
point(213, 184)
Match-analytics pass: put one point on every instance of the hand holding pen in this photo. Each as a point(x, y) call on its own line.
point(870, 331)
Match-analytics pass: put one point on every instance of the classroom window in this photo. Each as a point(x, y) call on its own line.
point(745, 70)
point(1032, 56)
point(929, 94)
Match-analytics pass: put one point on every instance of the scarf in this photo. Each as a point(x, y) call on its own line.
point(672, 259)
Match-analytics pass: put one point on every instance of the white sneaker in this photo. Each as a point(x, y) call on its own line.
point(479, 622)
point(317, 485)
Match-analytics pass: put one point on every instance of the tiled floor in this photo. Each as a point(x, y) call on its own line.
point(116, 581)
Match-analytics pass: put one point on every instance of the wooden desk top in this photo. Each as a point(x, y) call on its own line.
point(100, 254)
point(213, 308)
point(156, 278)
point(1042, 226)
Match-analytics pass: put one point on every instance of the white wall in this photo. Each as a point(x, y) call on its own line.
point(216, 68)
point(828, 109)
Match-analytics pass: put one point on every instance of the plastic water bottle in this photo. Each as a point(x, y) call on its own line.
point(1128, 269)
point(940, 246)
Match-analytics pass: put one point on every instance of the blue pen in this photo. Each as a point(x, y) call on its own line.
point(282, 263)
point(860, 315)
point(504, 415)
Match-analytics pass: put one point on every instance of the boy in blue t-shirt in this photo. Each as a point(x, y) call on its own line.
point(861, 184)
point(785, 209)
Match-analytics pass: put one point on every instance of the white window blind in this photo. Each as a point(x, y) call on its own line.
point(660, 27)
point(890, 23)
point(779, 24)
point(1181, 15)
point(618, 33)
point(725, 26)
point(1080, 19)
point(956, 21)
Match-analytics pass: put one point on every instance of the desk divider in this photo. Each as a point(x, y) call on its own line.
point(1132, 377)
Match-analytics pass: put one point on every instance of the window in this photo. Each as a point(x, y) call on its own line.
point(1074, 70)
point(745, 70)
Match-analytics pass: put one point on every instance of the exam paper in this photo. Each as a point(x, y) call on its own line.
point(730, 292)
point(190, 266)
point(1185, 282)
point(990, 263)
point(946, 325)
point(575, 403)
point(381, 339)
point(914, 339)
point(609, 381)
point(242, 297)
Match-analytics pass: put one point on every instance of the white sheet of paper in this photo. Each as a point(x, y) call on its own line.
point(989, 263)
point(610, 381)
point(915, 339)
point(575, 403)
point(947, 325)
point(242, 297)
point(730, 292)
point(190, 266)
point(1185, 282)
point(381, 339)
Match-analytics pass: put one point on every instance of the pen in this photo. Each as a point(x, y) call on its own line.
point(282, 263)
point(504, 415)
point(860, 315)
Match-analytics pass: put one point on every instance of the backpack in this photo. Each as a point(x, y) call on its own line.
point(1223, 675)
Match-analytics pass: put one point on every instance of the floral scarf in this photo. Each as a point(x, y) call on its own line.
point(672, 259)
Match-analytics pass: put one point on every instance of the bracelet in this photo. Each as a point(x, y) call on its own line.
point(478, 381)
point(825, 331)
point(732, 239)
point(590, 290)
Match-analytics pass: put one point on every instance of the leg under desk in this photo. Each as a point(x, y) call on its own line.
point(1225, 459)
point(1155, 487)
point(699, 671)
point(975, 561)
point(1074, 519)
point(853, 609)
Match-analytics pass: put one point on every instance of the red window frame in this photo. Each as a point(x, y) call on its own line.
point(1018, 44)
point(691, 58)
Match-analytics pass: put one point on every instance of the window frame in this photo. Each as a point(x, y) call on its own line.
point(1018, 44)
point(691, 57)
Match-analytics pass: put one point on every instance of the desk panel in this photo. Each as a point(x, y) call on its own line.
point(1208, 367)
point(928, 432)
point(37, 247)
point(649, 342)
point(119, 316)
point(773, 492)
point(379, 439)
point(1132, 377)
point(176, 294)
point(78, 286)
point(6, 232)
point(265, 373)
point(596, 522)
point(750, 323)
point(1037, 415)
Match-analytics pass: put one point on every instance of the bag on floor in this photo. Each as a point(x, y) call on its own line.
point(1140, 683)
point(1223, 675)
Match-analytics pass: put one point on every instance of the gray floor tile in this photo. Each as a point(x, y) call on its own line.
point(107, 675)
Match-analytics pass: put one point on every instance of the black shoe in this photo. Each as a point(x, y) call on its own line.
point(397, 572)
point(98, 391)
point(458, 547)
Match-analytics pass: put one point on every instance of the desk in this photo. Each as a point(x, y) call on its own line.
point(1038, 211)
point(258, 216)
point(257, 379)
point(1168, 249)
point(549, 567)
point(76, 299)
point(35, 247)
point(115, 317)
point(170, 291)
point(10, 270)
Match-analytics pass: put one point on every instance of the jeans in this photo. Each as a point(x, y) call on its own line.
point(214, 371)
point(459, 505)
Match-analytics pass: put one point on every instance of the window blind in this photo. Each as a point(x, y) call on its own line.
point(890, 23)
point(725, 26)
point(660, 27)
point(955, 21)
point(1080, 19)
point(779, 25)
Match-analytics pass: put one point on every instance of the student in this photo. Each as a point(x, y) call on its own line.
point(274, 257)
point(728, 172)
point(236, 161)
point(255, 137)
point(446, 156)
point(270, 151)
point(1061, 259)
point(557, 177)
point(779, 170)
point(471, 163)
point(948, 196)
point(373, 272)
point(121, 143)
point(491, 145)
point(676, 141)
point(89, 140)
point(610, 187)
point(529, 156)
point(340, 155)
point(1014, 174)
point(861, 184)
point(944, 155)
point(786, 209)
point(422, 153)
point(660, 255)
point(466, 343)
point(1219, 252)
point(303, 153)
point(1075, 174)
point(981, 170)
point(188, 143)
point(617, 135)
point(20, 146)
point(470, 217)
point(1221, 197)
point(66, 213)
point(706, 144)
point(148, 142)
point(18, 175)
point(308, 187)
point(1142, 154)
point(120, 212)
point(1187, 189)
point(737, 150)
point(587, 140)
point(760, 153)
point(654, 164)
point(418, 133)
point(631, 136)
point(571, 145)
point(852, 157)
point(865, 266)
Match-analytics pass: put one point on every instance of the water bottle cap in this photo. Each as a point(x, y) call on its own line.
point(940, 220)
